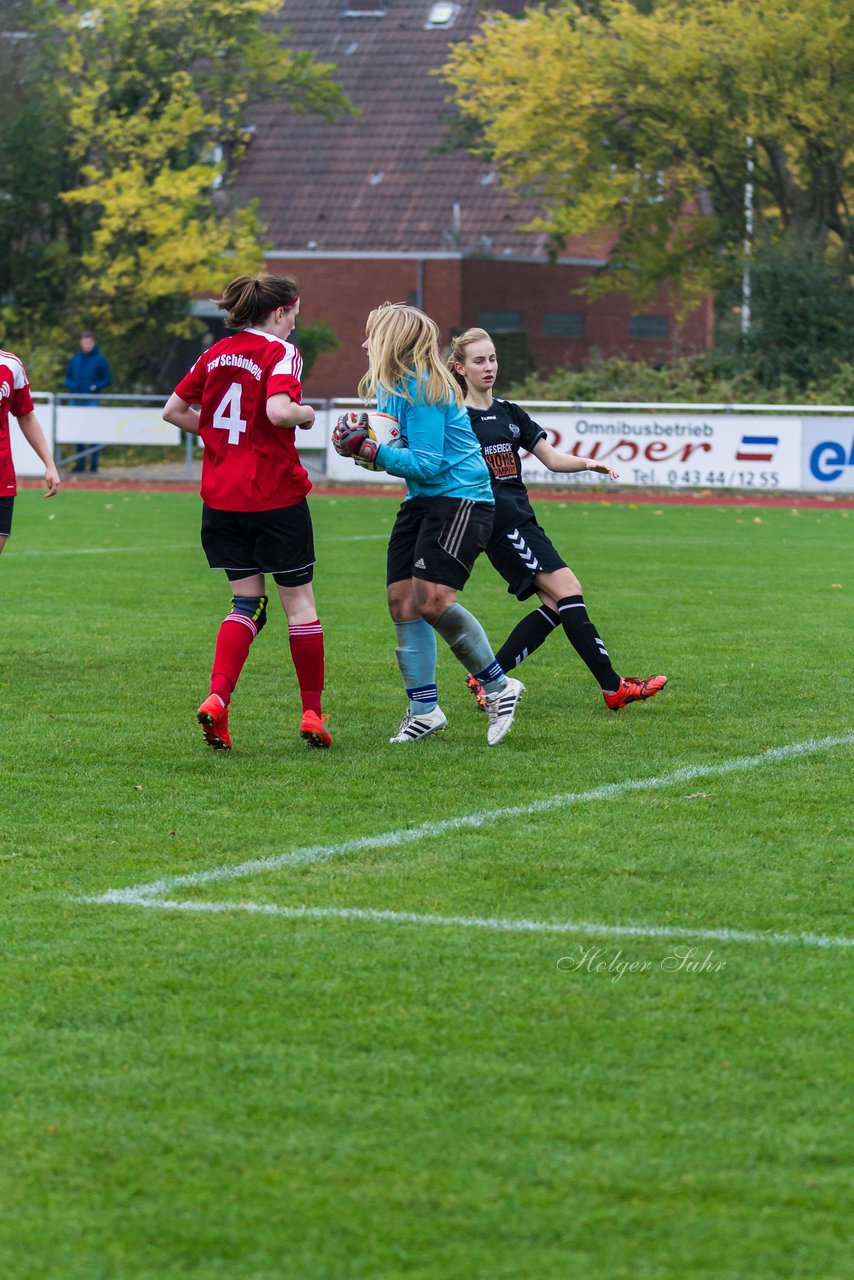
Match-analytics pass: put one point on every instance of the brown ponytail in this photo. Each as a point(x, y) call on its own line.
point(250, 299)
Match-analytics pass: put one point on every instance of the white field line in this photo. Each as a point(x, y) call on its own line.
point(152, 894)
point(496, 923)
point(103, 551)
point(180, 546)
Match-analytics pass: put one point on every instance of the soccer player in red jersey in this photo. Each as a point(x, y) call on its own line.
point(15, 398)
point(255, 518)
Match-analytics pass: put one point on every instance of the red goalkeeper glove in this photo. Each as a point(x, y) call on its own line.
point(351, 439)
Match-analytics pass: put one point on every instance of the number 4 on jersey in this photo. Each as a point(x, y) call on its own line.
point(227, 414)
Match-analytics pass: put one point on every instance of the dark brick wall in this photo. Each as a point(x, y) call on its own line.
point(342, 292)
point(455, 291)
point(535, 289)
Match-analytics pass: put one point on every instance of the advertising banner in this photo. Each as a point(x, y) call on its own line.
point(24, 460)
point(345, 471)
point(828, 454)
point(106, 424)
point(103, 424)
point(317, 437)
point(676, 450)
point(763, 452)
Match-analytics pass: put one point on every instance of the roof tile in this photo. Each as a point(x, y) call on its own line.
point(376, 181)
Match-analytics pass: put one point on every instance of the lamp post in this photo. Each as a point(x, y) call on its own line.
point(748, 239)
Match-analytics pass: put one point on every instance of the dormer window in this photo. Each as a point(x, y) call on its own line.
point(443, 14)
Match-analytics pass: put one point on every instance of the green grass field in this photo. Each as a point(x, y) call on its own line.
point(238, 1088)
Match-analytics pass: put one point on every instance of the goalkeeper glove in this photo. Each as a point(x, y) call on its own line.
point(350, 439)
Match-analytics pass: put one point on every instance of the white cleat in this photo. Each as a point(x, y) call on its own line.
point(501, 708)
point(420, 726)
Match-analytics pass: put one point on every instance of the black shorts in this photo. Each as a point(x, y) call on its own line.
point(438, 539)
point(520, 552)
point(7, 506)
point(280, 542)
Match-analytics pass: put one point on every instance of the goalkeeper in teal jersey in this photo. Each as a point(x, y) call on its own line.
point(442, 457)
point(443, 524)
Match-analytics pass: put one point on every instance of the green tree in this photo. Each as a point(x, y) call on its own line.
point(147, 99)
point(638, 122)
point(33, 219)
point(314, 340)
point(803, 308)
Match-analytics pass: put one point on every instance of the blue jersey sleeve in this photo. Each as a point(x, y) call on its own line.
point(424, 430)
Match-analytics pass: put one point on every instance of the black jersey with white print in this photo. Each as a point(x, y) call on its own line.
point(502, 430)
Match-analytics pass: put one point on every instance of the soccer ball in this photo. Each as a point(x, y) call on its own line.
point(385, 429)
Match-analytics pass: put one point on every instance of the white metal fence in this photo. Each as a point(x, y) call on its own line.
point(675, 446)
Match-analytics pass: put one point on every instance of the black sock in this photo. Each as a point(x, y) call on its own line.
point(586, 642)
point(527, 636)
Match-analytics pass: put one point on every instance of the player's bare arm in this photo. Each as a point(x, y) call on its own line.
point(285, 412)
point(181, 415)
point(35, 437)
point(556, 461)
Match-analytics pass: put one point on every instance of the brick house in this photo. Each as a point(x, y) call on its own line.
point(369, 208)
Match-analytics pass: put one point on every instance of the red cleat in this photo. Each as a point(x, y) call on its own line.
point(212, 715)
point(478, 691)
point(634, 690)
point(313, 729)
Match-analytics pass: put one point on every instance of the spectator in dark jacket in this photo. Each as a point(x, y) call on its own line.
point(88, 372)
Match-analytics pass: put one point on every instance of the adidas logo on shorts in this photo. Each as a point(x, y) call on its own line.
point(419, 564)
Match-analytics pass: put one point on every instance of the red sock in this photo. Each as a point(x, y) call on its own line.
point(307, 652)
point(236, 634)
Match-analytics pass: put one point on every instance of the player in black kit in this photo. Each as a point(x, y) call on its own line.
point(520, 549)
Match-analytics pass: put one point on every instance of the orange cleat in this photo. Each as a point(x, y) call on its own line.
point(313, 729)
point(477, 690)
point(212, 715)
point(633, 690)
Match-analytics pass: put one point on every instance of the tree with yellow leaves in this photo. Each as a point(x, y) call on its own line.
point(147, 100)
point(645, 120)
